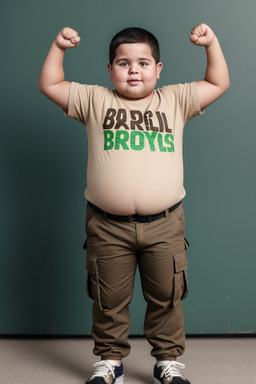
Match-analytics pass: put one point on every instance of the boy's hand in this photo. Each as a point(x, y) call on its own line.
point(67, 38)
point(202, 35)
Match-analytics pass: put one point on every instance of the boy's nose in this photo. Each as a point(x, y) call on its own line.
point(133, 69)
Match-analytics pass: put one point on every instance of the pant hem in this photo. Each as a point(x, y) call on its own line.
point(166, 357)
point(111, 357)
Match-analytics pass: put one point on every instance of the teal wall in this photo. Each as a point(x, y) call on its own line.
point(43, 164)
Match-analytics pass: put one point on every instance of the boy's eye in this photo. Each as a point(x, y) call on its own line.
point(123, 64)
point(143, 64)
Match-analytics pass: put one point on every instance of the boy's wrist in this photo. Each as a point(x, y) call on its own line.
point(56, 45)
point(212, 43)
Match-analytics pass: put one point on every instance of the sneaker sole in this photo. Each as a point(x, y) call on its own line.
point(119, 380)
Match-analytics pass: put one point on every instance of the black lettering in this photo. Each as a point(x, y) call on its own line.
point(121, 119)
point(169, 130)
point(149, 122)
point(137, 119)
point(160, 120)
point(109, 119)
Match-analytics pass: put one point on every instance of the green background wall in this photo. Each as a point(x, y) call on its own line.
point(43, 164)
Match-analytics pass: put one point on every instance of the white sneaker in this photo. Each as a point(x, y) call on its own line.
point(106, 373)
point(170, 373)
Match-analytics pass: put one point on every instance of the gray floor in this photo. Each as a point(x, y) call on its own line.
point(69, 361)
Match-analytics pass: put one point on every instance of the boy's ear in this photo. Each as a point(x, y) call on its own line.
point(159, 68)
point(110, 69)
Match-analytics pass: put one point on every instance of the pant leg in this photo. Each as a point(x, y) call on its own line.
point(111, 266)
point(163, 263)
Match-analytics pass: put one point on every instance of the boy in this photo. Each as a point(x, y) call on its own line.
point(135, 190)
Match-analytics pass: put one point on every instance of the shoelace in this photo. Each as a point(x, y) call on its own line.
point(172, 369)
point(102, 369)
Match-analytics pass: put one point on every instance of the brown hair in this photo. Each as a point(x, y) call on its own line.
point(134, 35)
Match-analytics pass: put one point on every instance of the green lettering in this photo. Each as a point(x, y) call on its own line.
point(121, 138)
point(137, 140)
point(151, 138)
point(169, 141)
point(108, 140)
point(160, 143)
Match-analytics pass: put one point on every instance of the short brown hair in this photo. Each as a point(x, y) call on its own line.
point(134, 35)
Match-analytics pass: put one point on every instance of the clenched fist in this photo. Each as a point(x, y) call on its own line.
point(67, 38)
point(202, 35)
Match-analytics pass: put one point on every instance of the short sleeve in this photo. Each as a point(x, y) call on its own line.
point(79, 101)
point(188, 100)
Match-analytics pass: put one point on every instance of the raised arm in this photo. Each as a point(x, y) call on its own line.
point(216, 80)
point(52, 79)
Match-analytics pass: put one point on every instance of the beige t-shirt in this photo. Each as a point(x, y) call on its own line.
point(135, 162)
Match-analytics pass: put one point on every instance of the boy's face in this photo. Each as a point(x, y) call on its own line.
point(134, 72)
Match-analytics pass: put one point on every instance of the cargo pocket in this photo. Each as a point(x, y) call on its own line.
point(180, 283)
point(92, 283)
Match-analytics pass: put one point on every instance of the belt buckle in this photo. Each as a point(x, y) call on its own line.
point(149, 218)
point(142, 219)
point(135, 218)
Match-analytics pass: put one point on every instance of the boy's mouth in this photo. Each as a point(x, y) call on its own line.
point(134, 81)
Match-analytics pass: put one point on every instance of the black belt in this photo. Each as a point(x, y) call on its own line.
point(136, 217)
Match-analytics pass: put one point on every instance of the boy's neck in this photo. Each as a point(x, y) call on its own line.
point(134, 99)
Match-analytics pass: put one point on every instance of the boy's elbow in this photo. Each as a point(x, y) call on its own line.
point(224, 86)
point(41, 86)
point(46, 90)
point(227, 85)
point(57, 93)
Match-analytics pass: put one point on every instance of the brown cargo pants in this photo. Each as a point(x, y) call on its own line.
point(114, 249)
